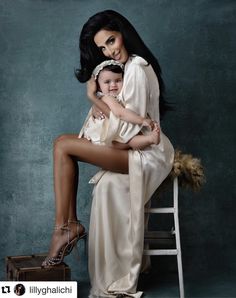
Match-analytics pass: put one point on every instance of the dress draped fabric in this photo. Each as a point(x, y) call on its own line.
point(116, 229)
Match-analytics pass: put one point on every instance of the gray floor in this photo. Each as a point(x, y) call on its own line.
point(202, 285)
point(216, 283)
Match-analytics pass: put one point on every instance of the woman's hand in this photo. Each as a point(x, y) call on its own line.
point(97, 113)
point(147, 123)
point(150, 123)
point(91, 88)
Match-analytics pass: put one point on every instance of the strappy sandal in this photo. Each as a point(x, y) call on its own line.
point(82, 236)
point(65, 250)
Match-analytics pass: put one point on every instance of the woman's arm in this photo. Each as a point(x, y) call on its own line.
point(91, 93)
point(124, 114)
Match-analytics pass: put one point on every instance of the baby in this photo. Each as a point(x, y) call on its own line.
point(109, 78)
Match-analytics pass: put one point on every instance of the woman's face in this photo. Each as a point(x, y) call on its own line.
point(111, 44)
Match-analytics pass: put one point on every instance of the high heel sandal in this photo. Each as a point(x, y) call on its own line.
point(82, 236)
point(52, 261)
point(65, 250)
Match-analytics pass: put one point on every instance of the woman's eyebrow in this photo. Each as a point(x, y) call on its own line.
point(109, 38)
point(107, 41)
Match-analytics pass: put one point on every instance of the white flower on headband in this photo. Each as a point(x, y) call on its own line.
point(100, 66)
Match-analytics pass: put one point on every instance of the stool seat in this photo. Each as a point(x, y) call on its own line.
point(159, 239)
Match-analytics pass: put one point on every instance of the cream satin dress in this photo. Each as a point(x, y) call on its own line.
point(116, 229)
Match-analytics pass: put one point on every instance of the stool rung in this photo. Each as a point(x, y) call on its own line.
point(160, 252)
point(159, 234)
point(160, 210)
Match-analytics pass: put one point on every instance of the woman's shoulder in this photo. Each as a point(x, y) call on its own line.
point(137, 60)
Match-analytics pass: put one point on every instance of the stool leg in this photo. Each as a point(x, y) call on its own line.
point(179, 257)
point(180, 273)
point(177, 239)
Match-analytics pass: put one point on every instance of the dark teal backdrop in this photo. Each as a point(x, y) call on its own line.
point(41, 99)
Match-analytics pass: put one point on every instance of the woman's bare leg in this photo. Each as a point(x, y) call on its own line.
point(72, 208)
point(68, 149)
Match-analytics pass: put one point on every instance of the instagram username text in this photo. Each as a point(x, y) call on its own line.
point(50, 290)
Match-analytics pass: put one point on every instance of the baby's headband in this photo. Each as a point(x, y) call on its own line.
point(100, 66)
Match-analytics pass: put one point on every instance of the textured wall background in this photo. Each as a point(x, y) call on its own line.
point(41, 99)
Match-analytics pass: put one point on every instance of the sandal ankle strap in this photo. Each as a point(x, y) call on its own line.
point(73, 221)
point(61, 227)
point(64, 227)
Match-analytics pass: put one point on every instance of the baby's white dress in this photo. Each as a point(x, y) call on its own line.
point(96, 130)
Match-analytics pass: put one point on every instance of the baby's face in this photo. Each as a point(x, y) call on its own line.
point(110, 82)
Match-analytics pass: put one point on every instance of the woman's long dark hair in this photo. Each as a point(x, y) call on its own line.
point(91, 55)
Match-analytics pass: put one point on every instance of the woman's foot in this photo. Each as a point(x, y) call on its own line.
point(60, 238)
point(64, 239)
point(78, 230)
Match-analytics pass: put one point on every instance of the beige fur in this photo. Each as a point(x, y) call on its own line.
point(189, 171)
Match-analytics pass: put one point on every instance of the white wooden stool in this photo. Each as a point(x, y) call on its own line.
point(174, 234)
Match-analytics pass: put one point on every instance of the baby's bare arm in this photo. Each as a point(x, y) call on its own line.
point(123, 113)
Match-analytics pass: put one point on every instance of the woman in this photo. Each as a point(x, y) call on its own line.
point(128, 178)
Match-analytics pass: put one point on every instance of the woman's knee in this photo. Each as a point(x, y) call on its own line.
point(64, 144)
point(59, 144)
